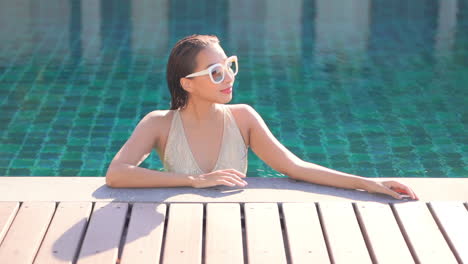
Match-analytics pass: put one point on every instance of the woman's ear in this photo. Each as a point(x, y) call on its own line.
point(186, 84)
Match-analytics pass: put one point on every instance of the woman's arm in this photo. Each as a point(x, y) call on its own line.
point(121, 175)
point(123, 171)
point(272, 152)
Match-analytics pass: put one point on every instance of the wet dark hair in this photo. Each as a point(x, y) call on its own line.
point(182, 62)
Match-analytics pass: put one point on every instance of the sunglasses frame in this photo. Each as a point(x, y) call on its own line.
point(209, 69)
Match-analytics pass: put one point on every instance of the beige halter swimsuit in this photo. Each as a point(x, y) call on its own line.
point(178, 157)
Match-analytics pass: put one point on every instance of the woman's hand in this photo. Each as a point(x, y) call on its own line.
point(229, 177)
point(393, 188)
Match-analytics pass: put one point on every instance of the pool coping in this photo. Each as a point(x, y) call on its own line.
point(258, 190)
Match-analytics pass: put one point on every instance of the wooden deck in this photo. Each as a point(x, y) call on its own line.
point(324, 231)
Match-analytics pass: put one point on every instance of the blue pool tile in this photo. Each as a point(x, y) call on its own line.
point(18, 172)
point(385, 105)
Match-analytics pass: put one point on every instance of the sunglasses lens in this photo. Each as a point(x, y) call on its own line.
point(217, 73)
point(232, 66)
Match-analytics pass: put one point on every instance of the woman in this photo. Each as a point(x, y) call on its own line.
point(203, 142)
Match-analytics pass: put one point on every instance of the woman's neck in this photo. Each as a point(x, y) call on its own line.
point(199, 112)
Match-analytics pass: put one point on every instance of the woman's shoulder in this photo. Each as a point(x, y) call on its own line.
point(244, 111)
point(158, 118)
point(244, 114)
point(241, 109)
point(158, 114)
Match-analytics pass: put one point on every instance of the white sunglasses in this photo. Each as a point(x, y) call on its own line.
point(216, 71)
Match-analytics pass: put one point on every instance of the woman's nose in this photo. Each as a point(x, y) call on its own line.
point(229, 76)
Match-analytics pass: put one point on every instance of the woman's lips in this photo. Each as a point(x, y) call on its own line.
point(227, 90)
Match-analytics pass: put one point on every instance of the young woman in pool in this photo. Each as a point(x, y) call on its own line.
point(203, 142)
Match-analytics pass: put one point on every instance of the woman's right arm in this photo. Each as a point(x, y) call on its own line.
point(123, 171)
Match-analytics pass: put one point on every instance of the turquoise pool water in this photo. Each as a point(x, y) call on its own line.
point(375, 88)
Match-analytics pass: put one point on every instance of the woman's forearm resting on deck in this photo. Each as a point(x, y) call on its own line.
point(121, 175)
point(314, 173)
point(317, 174)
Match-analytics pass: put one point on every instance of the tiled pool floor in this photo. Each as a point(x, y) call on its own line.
point(381, 92)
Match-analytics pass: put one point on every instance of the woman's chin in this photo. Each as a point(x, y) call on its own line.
point(225, 99)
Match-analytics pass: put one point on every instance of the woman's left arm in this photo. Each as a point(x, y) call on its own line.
point(273, 153)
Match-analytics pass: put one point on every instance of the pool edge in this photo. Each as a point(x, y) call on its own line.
point(258, 190)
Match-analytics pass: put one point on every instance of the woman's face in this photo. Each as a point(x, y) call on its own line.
point(201, 86)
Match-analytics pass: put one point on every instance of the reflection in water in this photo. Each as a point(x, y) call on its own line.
point(116, 31)
point(51, 26)
point(90, 30)
point(283, 30)
point(15, 33)
point(150, 27)
point(446, 26)
point(147, 27)
point(405, 29)
point(342, 29)
point(246, 17)
point(198, 17)
point(28, 27)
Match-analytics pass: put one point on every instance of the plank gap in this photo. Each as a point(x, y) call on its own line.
point(287, 250)
point(324, 232)
point(244, 233)
point(203, 246)
point(83, 234)
point(364, 233)
point(123, 238)
point(405, 234)
point(47, 230)
point(163, 242)
point(444, 233)
point(9, 226)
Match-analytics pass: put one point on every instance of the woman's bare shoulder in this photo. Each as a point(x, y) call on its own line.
point(244, 112)
point(160, 115)
point(155, 125)
point(158, 118)
point(245, 115)
point(241, 109)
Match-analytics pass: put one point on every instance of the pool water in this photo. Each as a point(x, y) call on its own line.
point(374, 88)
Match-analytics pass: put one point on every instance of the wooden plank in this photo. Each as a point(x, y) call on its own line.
point(8, 212)
point(26, 232)
point(145, 233)
point(264, 235)
point(378, 218)
point(304, 233)
point(344, 235)
point(63, 238)
point(223, 234)
point(425, 239)
point(453, 217)
point(102, 238)
point(184, 234)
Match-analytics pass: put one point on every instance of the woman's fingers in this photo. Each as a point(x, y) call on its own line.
point(381, 187)
point(392, 188)
point(227, 183)
point(393, 194)
point(229, 177)
point(234, 179)
point(401, 189)
point(236, 172)
point(234, 176)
